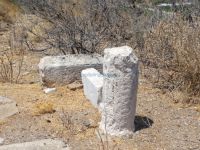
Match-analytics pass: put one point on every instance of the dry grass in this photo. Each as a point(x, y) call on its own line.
point(8, 11)
point(2, 122)
point(173, 49)
point(11, 62)
point(43, 108)
point(198, 108)
point(12, 49)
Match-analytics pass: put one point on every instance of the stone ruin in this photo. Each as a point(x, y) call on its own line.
point(66, 69)
point(93, 83)
point(114, 92)
point(117, 102)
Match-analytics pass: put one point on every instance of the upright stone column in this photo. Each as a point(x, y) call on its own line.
point(120, 69)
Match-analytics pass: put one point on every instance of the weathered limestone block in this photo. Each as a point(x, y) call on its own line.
point(7, 107)
point(120, 69)
point(66, 69)
point(46, 144)
point(92, 84)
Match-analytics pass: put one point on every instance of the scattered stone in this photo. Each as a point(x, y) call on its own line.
point(75, 86)
point(85, 113)
point(1, 140)
point(86, 123)
point(25, 73)
point(92, 83)
point(120, 85)
point(8, 107)
point(49, 90)
point(66, 69)
point(47, 144)
point(90, 123)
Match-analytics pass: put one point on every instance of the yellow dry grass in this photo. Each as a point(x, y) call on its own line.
point(8, 11)
point(43, 108)
point(198, 108)
point(2, 122)
point(173, 49)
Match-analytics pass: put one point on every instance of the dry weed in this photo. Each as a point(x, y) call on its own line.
point(8, 11)
point(173, 49)
point(43, 108)
point(12, 58)
point(11, 65)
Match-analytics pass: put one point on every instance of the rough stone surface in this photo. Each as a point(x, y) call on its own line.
point(47, 144)
point(1, 140)
point(120, 85)
point(66, 69)
point(92, 83)
point(7, 107)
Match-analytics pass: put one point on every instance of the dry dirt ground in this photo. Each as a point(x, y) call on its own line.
point(68, 115)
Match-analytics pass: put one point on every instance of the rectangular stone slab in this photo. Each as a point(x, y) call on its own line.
point(66, 69)
point(92, 84)
point(7, 107)
point(47, 144)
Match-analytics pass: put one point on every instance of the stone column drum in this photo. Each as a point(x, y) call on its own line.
point(120, 70)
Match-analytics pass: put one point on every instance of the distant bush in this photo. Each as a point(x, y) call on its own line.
point(86, 26)
point(11, 63)
point(11, 60)
point(172, 48)
point(8, 11)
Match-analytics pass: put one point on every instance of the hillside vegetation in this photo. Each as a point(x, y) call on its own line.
point(8, 11)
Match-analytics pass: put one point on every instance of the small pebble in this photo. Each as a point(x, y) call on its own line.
point(49, 90)
point(1, 140)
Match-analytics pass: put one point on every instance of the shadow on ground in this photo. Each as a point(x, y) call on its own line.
point(142, 122)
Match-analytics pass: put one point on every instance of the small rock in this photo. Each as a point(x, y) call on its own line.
point(75, 86)
point(26, 73)
point(49, 90)
point(8, 107)
point(89, 124)
point(46, 144)
point(85, 113)
point(86, 123)
point(1, 140)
